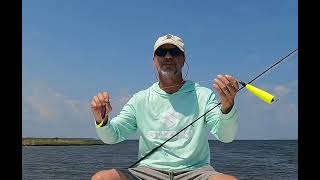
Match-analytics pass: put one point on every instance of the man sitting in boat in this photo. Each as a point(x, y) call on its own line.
point(164, 109)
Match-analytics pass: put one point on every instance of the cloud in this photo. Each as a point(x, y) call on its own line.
point(281, 90)
point(40, 105)
point(47, 104)
point(259, 120)
point(118, 102)
point(47, 112)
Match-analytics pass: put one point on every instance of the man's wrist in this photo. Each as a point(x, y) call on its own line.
point(103, 122)
point(229, 114)
point(226, 111)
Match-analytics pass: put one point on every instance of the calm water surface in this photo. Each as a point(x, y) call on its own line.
point(243, 159)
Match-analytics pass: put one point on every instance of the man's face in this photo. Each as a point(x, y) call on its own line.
point(169, 65)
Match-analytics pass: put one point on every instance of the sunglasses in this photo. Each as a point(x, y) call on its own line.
point(175, 52)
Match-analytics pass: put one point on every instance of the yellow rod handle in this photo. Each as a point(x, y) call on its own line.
point(265, 96)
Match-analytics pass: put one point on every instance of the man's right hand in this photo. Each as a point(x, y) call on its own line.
point(100, 106)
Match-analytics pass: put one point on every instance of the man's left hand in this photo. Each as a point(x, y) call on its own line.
point(227, 87)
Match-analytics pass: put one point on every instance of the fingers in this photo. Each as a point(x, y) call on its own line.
point(93, 104)
point(100, 100)
point(220, 91)
point(105, 96)
point(226, 85)
point(101, 106)
point(233, 82)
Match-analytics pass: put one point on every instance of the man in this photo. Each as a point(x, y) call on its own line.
point(164, 109)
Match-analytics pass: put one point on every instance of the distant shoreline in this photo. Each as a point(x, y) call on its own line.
point(91, 141)
point(60, 141)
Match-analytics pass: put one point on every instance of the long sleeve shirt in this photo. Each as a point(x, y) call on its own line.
point(158, 115)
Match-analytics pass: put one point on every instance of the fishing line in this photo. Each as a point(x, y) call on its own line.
point(243, 85)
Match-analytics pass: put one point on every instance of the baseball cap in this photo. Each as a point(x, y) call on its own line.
point(169, 39)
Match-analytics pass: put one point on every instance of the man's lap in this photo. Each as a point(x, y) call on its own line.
point(143, 172)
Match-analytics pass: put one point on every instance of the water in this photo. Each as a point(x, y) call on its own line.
point(243, 159)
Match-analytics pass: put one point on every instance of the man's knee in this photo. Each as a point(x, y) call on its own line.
point(223, 177)
point(111, 174)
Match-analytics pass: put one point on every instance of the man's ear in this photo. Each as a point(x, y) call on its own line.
point(154, 66)
point(184, 60)
point(154, 63)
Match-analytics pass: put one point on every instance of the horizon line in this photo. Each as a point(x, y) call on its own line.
point(138, 139)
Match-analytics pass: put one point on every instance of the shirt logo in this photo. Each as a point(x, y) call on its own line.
point(170, 118)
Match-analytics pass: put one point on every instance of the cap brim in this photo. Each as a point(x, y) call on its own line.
point(168, 42)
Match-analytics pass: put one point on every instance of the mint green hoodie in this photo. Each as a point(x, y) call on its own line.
point(159, 115)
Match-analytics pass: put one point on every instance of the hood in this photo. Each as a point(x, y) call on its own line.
point(186, 87)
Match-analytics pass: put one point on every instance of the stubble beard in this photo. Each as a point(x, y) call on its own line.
point(169, 73)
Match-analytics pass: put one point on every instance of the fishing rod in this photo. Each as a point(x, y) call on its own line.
point(265, 96)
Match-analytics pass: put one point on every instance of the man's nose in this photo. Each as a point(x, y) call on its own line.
point(168, 55)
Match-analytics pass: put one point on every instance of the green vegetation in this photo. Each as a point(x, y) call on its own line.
point(59, 141)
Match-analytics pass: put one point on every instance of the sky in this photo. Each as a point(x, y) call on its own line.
point(72, 50)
